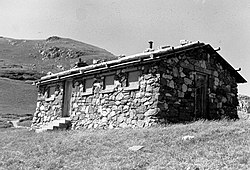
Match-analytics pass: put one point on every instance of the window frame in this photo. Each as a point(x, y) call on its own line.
point(134, 85)
point(47, 94)
point(112, 86)
point(88, 91)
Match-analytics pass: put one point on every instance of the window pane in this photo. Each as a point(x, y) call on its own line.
point(109, 82)
point(133, 79)
point(133, 76)
point(52, 90)
point(88, 85)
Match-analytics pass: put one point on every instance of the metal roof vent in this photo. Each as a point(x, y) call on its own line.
point(151, 44)
point(150, 47)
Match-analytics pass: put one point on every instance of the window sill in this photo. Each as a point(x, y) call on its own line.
point(131, 88)
point(87, 93)
point(52, 98)
point(107, 91)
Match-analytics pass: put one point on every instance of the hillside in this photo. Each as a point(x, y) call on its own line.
point(211, 145)
point(28, 60)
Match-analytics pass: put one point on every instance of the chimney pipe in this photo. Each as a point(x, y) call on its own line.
point(151, 44)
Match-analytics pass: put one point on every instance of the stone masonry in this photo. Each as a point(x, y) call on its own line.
point(120, 108)
point(48, 108)
point(178, 87)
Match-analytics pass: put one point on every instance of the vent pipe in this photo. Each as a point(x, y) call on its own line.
point(151, 44)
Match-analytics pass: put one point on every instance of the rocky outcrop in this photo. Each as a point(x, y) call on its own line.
point(56, 52)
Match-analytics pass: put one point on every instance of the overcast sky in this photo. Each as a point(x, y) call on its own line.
point(125, 26)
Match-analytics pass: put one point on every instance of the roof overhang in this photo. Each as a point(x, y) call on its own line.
point(236, 74)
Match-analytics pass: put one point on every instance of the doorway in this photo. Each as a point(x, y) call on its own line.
point(201, 104)
point(67, 98)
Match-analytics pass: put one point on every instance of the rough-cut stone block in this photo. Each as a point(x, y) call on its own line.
point(123, 125)
point(168, 95)
point(167, 76)
point(140, 116)
point(117, 103)
point(148, 103)
point(148, 94)
point(215, 73)
point(141, 109)
point(150, 81)
point(151, 112)
point(187, 81)
point(104, 120)
point(181, 94)
point(104, 113)
point(182, 74)
point(171, 84)
point(175, 72)
point(42, 108)
point(148, 76)
point(120, 119)
point(184, 88)
point(119, 96)
point(140, 123)
point(75, 118)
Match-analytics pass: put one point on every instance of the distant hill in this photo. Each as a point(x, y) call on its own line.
point(22, 61)
point(30, 59)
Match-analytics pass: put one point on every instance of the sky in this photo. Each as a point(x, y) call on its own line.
point(126, 26)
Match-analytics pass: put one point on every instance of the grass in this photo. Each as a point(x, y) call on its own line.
point(216, 145)
point(26, 121)
point(17, 99)
point(4, 124)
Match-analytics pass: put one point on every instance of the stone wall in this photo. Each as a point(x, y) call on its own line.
point(119, 107)
point(49, 104)
point(179, 87)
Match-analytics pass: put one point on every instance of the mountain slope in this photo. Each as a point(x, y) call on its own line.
point(29, 60)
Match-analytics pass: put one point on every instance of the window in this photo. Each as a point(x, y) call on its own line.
point(133, 80)
point(76, 85)
point(88, 86)
point(51, 91)
point(109, 82)
point(49, 94)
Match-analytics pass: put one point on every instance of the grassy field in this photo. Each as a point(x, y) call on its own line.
point(16, 98)
point(216, 145)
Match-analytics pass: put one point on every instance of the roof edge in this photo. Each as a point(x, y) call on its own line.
point(130, 58)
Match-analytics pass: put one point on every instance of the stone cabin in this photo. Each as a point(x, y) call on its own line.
point(171, 84)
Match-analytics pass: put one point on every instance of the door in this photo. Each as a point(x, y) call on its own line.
point(201, 103)
point(67, 98)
